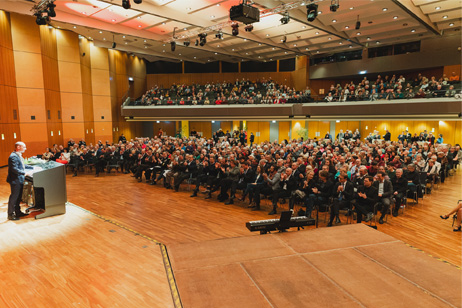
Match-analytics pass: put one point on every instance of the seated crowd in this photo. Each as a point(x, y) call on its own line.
point(240, 92)
point(327, 174)
point(269, 92)
point(387, 88)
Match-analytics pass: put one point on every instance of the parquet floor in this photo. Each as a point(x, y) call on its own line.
point(48, 253)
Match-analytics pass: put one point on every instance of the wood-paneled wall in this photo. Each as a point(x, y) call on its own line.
point(51, 84)
point(29, 83)
point(119, 70)
point(55, 86)
point(166, 80)
point(9, 125)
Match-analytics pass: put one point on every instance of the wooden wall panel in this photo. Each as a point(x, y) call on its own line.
point(300, 76)
point(8, 95)
point(51, 85)
point(87, 91)
point(296, 126)
point(226, 125)
point(205, 127)
point(29, 82)
point(168, 127)
point(70, 81)
point(284, 129)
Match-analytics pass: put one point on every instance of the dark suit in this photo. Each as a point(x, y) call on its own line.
point(16, 176)
point(385, 200)
point(342, 199)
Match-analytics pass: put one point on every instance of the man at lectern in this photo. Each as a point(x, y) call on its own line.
point(16, 176)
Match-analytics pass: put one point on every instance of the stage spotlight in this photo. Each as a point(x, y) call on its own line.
point(285, 19)
point(202, 39)
point(196, 43)
point(126, 4)
point(248, 28)
point(311, 11)
point(138, 1)
point(186, 43)
point(284, 39)
point(114, 44)
point(219, 35)
point(41, 20)
point(358, 24)
point(172, 46)
point(51, 9)
point(334, 5)
point(235, 29)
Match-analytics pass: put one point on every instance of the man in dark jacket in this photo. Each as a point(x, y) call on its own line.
point(343, 193)
point(287, 184)
point(367, 197)
point(399, 187)
point(384, 194)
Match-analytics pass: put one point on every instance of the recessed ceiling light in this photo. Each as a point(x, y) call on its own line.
point(368, 38)
point(111, 10)
point(75, 27)
point(319, 12)
point(179, 54)
point(451, 24)
point(212, 16)
point(184, 29)
point(358, 33)
point(188, 8)
point(194, 57)
point(438, 7)
point(307, 48)
point(259, 57)
point(259, 44)
point(271, 59)
point(216, 53)
point(317, 51)
point(104, 38)
point(208, 60)
point(395, 17)
point(145, 46)
point(123, 36)
point(232, 49)
point(334, 20)
point(163, 50)
point(350, 46)
point(246, 53)
point(245, 40)
point(274, 48)
point(145, 41)
point(126, 43)
point(139, 17)
point(445, 16)
point(303, 27)
point(295, 45)
point(84, 13)
point(330, 38)
point(317, 33)
point(113, 20)
point(286, 52)
point(139, 26)
point(413, 30)
point(384, 9)
point(218, 46)
point(340, 43)
point(267, 35)
point(218, 4)
point(100, 32)
point(347, 27)
point(351, 8)
point(163, 23)
point(378, 42)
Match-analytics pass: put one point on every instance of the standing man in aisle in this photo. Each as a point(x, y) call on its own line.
point(16, 176)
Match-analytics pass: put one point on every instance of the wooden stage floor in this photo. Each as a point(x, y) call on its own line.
point(89, 262)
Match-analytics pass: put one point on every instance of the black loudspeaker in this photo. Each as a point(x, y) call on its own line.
point(114, 44)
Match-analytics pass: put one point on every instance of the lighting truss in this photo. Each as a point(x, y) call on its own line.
point(283, 8)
